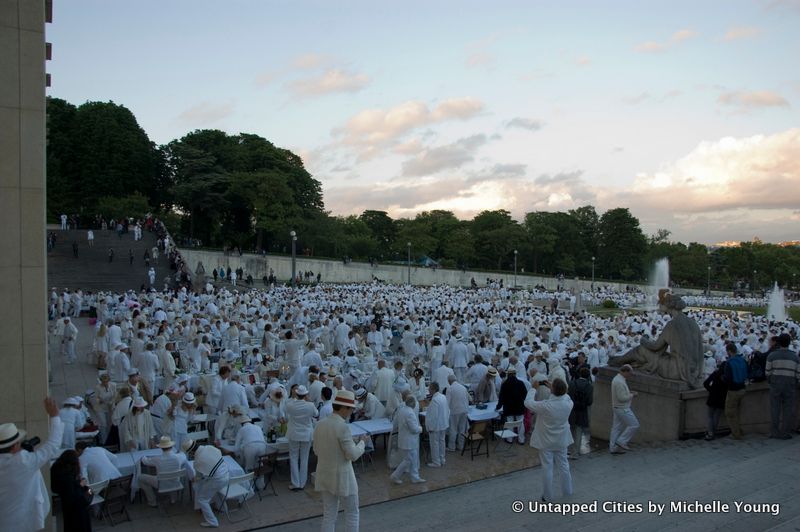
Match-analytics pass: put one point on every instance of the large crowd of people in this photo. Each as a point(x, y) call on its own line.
point(272, 364)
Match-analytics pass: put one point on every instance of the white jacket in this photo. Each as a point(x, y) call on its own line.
point(336, 451)
point(438, 413)
point(551, 432)
point(24, 500)
point(300, 416)
point(408, 428)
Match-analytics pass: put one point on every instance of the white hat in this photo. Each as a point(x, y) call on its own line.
point(244, 419)
point(189, 399)
point(9, 435)
point(361, 392)
point(132, 372)
point(165, 443)
point(345, 398)
point(301, 390)
point(188, 445)
point(70, 401)
point(182, 378)
point(139, 402)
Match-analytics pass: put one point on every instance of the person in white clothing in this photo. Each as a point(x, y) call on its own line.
point(458, 403)
point(24, 499)
point(167, 461)
point(181, 414)
point(624, 424)
point(211, 475)
point(72, 422)
point(441, 374)
point(97, 463)
point(371, 407)
point(437, 421)
point(336, 451)
point(408, 431)
point(383, 380)
point(250, 444)
point(551, 434)
point(300, 414)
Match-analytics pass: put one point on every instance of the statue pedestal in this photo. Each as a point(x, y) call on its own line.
point(668, 410)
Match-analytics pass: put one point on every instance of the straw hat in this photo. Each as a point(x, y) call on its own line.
point(492, 371)
point(245, 419)
point(139, 403)
point(165, 442)
point(9, 435)
point(301, 391)
point(188, 445)
point(361, 392)
point(345, 398)
point(189, 399)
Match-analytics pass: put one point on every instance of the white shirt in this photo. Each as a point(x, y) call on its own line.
point(457, 399)
point(438, 413)
point(233, 393)
point(248, 433)
point(300, 416)
point(551, 432)
point(408, 428)
point(98, 465)
point(24, 500)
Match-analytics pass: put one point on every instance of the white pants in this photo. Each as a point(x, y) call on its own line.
point(204, 492)
point(410, 464)
point(437, 446)
point(298, 462)
point(458, 426)
point(520, 429)
point(560, 458)
point(623, 427)
point(460, 372)
point(251, 453)
point(330, 510)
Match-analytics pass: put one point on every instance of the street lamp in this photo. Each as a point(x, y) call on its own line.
point(515, 268)
point(294, 260)
point(708, 281)
point(408, 246)
point(592, 273)
point(754, 279)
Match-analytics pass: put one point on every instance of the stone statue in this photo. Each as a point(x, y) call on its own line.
point(676, 354)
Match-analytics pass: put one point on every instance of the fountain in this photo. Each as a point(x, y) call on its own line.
point(659, 280)
point(776, 307)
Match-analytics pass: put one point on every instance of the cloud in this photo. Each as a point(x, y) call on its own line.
point(331, 81)
point(372, 130)
point(205, 113)
point(678, 37)
point(683, 35)
point(449, 156)
point(745, 100)
point(636, 99)
point(742, 32)
point(583, 61)
point(478, 53)
point(525, 123)
point(309, 61)
point(759, 172)
point(265, 78)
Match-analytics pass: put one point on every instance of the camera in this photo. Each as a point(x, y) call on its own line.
point(30, 443)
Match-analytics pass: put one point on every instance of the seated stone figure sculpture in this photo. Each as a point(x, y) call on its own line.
point(677, 353)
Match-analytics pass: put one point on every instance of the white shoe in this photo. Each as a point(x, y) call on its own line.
point(396, 480)
point(206, 524)
point(433, 465)
point(418, 480)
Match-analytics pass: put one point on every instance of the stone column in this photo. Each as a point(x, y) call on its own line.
point(23, 323)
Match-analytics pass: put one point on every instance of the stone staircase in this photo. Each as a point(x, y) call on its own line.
point(92, 271)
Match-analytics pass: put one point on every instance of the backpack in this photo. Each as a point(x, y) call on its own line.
point(757, 368)
point(738, 370)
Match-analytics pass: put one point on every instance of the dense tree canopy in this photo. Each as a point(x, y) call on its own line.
point(241, 190)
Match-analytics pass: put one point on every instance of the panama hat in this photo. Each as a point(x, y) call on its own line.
point(165, 442)
point(345, 398)
point(139, 403)
point(492, 371)
point(9, 435)
point(188, 398)
point(361, 392)
point(301, 391)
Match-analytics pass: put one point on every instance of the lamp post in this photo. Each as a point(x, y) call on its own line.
point(294, 246)
point(754, 279)
point(708, 281)
point(515, 268)
point(592, 273)
point(408, 247)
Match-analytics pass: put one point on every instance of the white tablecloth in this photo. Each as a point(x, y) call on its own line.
point(372, 427)
point(475, 414)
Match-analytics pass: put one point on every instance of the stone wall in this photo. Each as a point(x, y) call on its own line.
point(23, 330)
point(359, 272)
point(668, 410)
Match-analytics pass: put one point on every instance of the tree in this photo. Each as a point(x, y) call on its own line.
point(496, 236)
point(383, 231)
point(621, 245)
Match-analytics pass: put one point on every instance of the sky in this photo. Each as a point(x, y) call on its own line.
point(685, 112)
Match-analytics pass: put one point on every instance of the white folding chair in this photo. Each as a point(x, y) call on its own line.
point(170, 482)
point(97, 499)
point(239, 488)
point(199, 436)
point(511, 429)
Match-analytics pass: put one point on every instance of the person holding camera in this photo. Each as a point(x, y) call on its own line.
point(24, 500)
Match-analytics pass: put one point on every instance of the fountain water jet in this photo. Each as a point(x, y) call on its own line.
point(776, 307)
